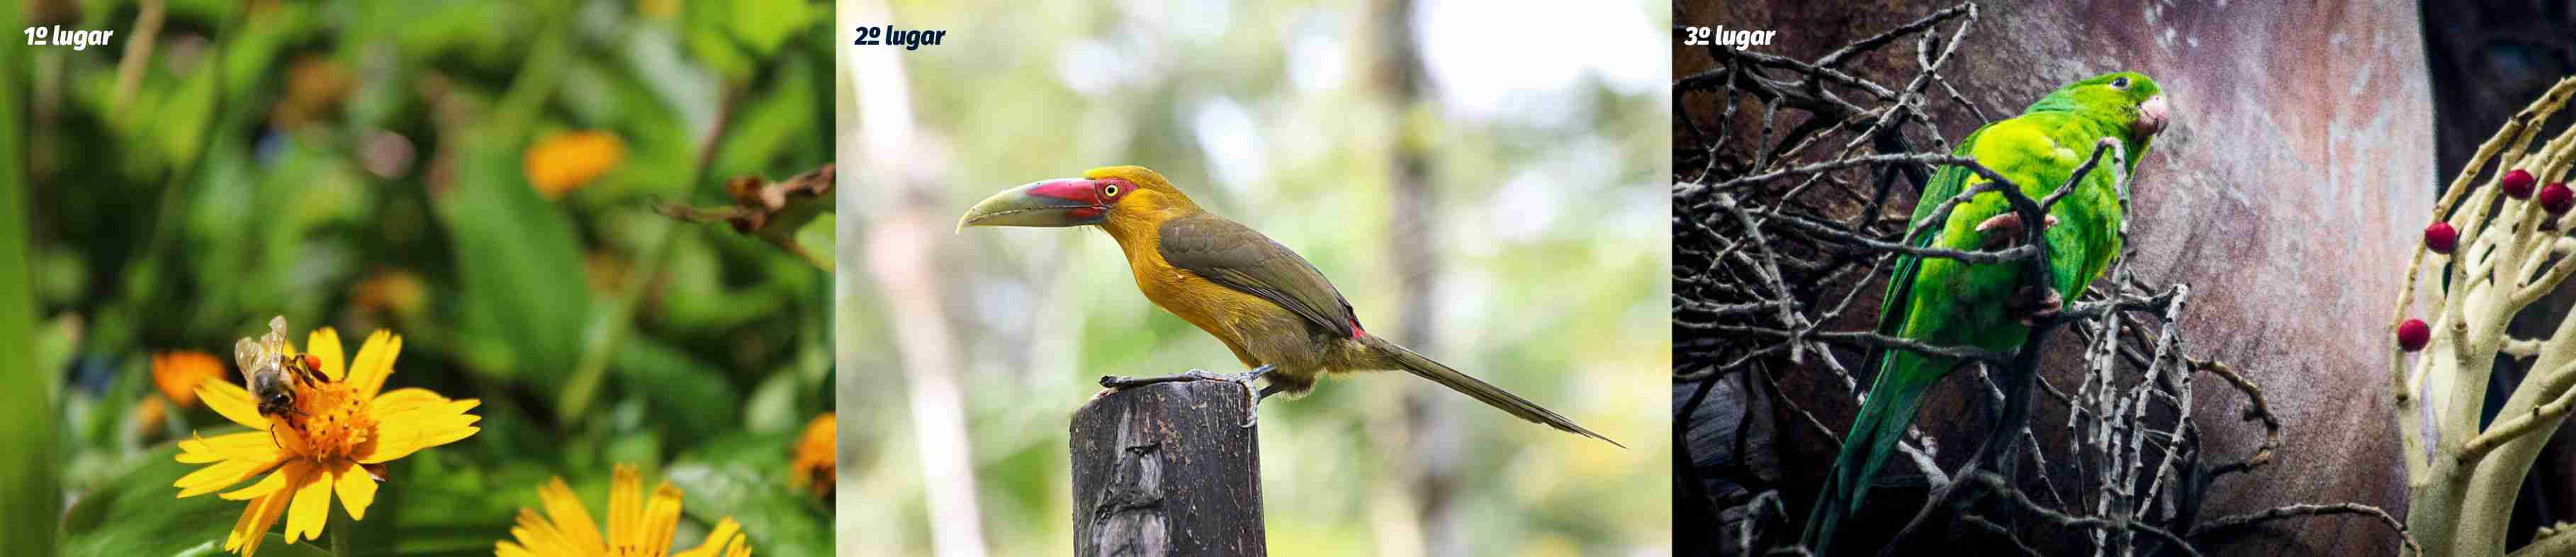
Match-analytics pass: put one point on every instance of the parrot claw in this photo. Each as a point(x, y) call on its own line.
point(1252, 398)
point(2033, 304)
point(2005, 229)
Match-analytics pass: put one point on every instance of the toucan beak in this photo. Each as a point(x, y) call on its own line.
point(1060, 202)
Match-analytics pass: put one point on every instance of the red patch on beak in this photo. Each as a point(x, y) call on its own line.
point(1078, 191)
point(1081, 191)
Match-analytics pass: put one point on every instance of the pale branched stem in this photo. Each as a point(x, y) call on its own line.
point(2519, 424)
point(2463, 477)
point(2557, 541)
point(2521, 347)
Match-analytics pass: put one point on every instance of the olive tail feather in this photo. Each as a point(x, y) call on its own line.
point(1478, 389)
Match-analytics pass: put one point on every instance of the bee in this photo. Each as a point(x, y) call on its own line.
point(267, 370)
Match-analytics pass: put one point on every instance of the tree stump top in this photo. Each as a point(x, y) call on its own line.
point(1167, 470)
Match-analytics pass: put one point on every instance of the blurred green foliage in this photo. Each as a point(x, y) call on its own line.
point(1550, 233)
point(28, 472)
point(363, 164)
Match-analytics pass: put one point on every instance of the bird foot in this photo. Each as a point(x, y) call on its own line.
point(2005, 229)
point(1252, 397)
point(2031, 304)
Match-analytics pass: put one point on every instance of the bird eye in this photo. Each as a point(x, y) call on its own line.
point(2121, 83)
point(1110, 190)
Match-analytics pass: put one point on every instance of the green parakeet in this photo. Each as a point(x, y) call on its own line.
point(1947, 302)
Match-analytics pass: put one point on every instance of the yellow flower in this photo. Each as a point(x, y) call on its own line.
point(563, 162)
point(814, 456)
point(636, 527)
point(178, 373)
point(337, 440)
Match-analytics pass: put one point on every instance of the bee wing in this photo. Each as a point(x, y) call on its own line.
point(273, 344)
point(246, 356)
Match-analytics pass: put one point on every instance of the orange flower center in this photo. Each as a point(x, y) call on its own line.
point(332, 423)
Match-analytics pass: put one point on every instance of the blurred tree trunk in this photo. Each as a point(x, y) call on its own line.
point(1396, 71)
point(899, 245)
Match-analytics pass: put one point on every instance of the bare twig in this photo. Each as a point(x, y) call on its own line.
point(2252, 519)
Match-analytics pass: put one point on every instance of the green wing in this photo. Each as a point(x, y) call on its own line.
point(1946, 183)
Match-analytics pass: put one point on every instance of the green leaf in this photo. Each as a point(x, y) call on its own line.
point(141, 514)
point(782, 119)
point(765, 24)
point(687, 396)
point(180, 128)
point(276, 546)
point(773, 404)
point(521, 265)
point(745, 477)
point(817, 235)
point(28, 469)
point(708, 42)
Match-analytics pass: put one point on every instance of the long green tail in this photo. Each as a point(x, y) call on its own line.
point(1893, 399)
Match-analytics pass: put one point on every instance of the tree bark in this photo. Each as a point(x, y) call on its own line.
point(1167, 469)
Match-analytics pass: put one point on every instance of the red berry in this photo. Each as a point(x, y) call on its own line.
point(2556, 198)
point(2440, 237)
point(2518, 183)
point(2412, 334)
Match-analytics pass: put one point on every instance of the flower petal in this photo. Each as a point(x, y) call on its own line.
point(233, 402)
point(544, 539)
point(357, 489)
point(249, 445)
point(400, 399)
point(727, 532)
point(312, 504)
point(324, 344)
point(661, 517)
point(375, 362)
point(626, 509)
point(572, 522)
point(253, 527)
point(219, 476)
point(274, 483)
point(401, 433)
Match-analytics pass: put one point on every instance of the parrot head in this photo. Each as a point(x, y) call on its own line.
point(1099, 196)
point(2129, 100)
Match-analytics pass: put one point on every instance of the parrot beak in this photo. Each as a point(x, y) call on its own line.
point(1061, 202)
point(2151, 116)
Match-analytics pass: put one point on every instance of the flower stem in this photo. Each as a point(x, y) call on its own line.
point(340, 530)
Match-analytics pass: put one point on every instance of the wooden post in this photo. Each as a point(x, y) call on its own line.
point(1167, 470)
